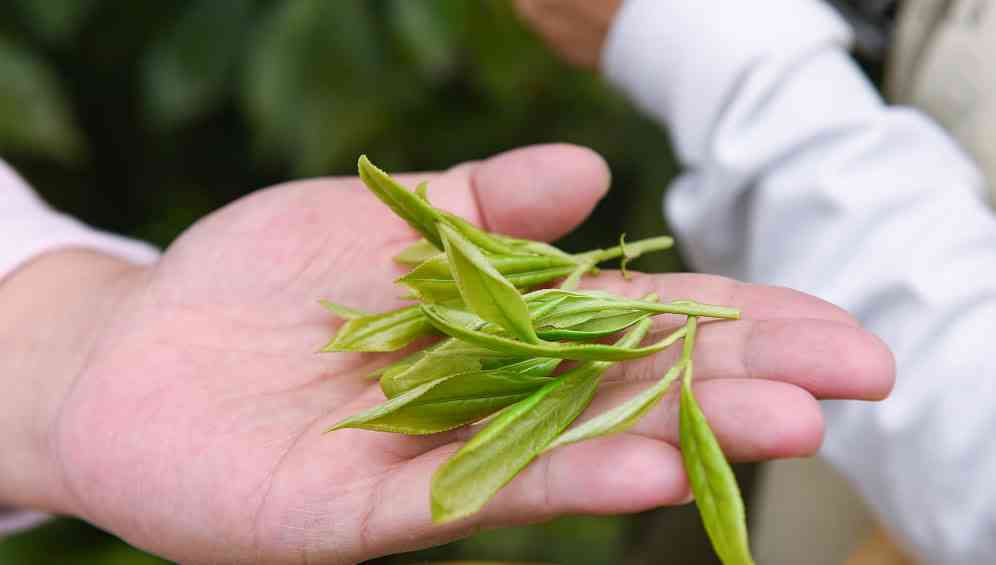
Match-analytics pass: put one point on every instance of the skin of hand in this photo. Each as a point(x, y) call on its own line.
point(181, 405)
point(575, 29)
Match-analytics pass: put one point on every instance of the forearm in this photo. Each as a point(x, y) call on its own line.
point(50, 311)
point(800, 176)
point(53, 297)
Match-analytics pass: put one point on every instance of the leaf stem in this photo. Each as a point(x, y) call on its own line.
point(630, 250)
point(691, 326)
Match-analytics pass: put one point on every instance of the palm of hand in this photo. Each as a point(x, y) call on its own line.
point(195, 429)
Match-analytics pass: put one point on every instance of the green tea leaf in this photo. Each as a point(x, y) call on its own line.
point(583, 316)
point(344, 312)
point(453, 401)
point(581, 306)
point(486, 241)
point(485, 291)
point(533, 247)
point(417, 253)
point(439, 317)
point(621, 417)
point(432, 280)
point(449, 357)
point(465, 483)
point(712, 481)
point(389, 331)
point(593, 328)
point(419, 214)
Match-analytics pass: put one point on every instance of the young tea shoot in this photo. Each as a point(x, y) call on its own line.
point(501, 343)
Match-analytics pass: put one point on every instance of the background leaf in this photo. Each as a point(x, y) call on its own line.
point(35, 116)
point(188, 70)
point(310, 81)
point(54, 21)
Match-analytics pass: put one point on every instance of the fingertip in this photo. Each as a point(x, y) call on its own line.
point(784, 420)
point(622, 473)
point(540, 192)
point(881, 368)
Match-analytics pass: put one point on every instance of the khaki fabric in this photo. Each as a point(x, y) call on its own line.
point(943, 62)
point(805, 512)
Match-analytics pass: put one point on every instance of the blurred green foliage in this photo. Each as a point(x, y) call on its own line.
point(141, 117)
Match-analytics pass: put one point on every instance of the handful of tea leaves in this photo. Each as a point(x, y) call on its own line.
point(502, 344)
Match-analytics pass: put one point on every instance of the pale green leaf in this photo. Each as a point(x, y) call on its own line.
point(419, 214)
point(344, 312)
point(417, 253)
point(713, 482)
point(483, 289)
point(388, 331)
point(453, 401)
point(621, 417)
point(432, 280)
point(464, 483)
point(440, 318)
point(445, 359)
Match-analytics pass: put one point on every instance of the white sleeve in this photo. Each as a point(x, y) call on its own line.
point(798, 175)
point(29, 228)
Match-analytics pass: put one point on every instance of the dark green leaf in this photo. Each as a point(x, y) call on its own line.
point(389, 331)
point(188, 71)
point(56, 21)
point(425, 35)
point(35, 115)
point(308, 82)
point(453, 401)
point(483, 289)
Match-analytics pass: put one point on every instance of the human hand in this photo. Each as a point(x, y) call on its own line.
point(575, 29)
point(193, 425)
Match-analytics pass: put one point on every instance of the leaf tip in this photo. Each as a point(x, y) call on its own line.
point(363, 162)
point(339, 426)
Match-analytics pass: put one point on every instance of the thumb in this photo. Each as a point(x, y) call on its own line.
point(539, 192)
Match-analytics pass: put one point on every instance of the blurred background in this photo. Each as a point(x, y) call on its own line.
point(141, 117)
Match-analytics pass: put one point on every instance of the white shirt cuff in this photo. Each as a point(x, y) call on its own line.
point(31, 228)
point(666, 56)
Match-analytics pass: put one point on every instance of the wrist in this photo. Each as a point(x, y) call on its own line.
point(51, 312)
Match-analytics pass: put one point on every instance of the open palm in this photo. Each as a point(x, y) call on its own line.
point(195, 429)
